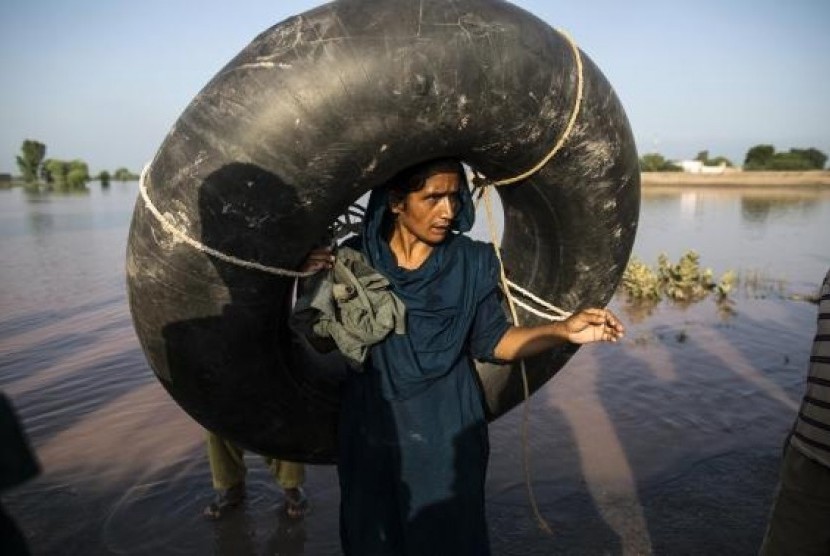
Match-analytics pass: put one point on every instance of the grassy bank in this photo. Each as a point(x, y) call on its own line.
point(814, 178)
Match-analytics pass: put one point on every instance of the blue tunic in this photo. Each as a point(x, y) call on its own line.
point(413, 435)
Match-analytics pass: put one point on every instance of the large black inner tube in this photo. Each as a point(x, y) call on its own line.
point(311, 115)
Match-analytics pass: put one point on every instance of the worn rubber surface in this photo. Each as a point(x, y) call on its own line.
point(315, 112)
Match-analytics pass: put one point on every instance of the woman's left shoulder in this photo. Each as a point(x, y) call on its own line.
point(470, 247)
point(475, 252)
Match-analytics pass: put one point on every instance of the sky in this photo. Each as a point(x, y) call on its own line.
point(104, 80)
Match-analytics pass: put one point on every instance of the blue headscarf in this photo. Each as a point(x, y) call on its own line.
point(378, 221)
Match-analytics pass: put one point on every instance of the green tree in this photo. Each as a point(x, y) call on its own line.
point(718, 160)
point(764, 157)
point(45, 175)
point(30, 159)
point(759, 157)
point(654, 162)
point(55, 171)
point(789, 161)
point(77, 174)
point(122, 174)
point(63, 174)
point(104, 178)
point(816, 158)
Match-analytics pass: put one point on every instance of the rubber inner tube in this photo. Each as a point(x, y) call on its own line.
point(311, 115)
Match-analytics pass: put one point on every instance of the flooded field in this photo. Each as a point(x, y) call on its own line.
point(665, 444)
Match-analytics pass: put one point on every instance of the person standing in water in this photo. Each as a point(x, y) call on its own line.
point(228, 470)
point(799, 522)
point(413, 440)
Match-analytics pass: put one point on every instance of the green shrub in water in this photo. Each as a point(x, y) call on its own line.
point(683, 281)
point(640, 282)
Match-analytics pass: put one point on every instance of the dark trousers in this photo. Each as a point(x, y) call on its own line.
point(800, 520)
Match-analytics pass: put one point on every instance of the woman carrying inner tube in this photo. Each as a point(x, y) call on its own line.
point(413, 443)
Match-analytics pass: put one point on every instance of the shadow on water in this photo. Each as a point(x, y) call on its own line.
point(157, 514)
point(88, 389)
point(31, 320)
point(722, 419)
point(559, 486)
point(27, 363)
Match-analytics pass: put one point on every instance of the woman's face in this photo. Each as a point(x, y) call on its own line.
point(428, 212)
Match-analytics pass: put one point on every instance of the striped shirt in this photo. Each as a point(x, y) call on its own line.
point(812, 427)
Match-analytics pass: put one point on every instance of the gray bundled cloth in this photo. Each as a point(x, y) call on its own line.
point(351, 304)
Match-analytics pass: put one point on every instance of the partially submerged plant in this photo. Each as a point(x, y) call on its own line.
point(726, 284)
point(640, 282)
point(684, 281)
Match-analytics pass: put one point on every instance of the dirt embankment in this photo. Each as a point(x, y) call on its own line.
point(814, 178)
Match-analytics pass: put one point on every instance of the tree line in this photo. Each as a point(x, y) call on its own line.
point(764, 157)
point(36, 169)
point(758, 158)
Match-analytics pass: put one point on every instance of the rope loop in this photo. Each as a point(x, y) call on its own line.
point(508, 287)
point(580, 86)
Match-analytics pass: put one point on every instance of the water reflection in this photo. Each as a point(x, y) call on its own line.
point(40, 194)
point(775, 233)
point(40, 223)
point(288, 538)
point(688, 204)
point(641, 310)
point(758, 210)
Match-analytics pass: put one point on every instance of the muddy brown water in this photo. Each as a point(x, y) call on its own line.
point(667, 443)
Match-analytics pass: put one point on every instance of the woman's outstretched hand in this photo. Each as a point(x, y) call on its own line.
point(593, 325)
point(583, 327)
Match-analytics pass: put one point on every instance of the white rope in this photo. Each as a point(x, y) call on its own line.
point(171, 228)
point(511, 303)
point(560, 314)
point(507, 285)
point(537, 312)
point(580, 87)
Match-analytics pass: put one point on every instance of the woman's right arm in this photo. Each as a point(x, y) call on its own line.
point(586, 326)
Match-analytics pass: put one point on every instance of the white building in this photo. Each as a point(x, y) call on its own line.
point(697, 167)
